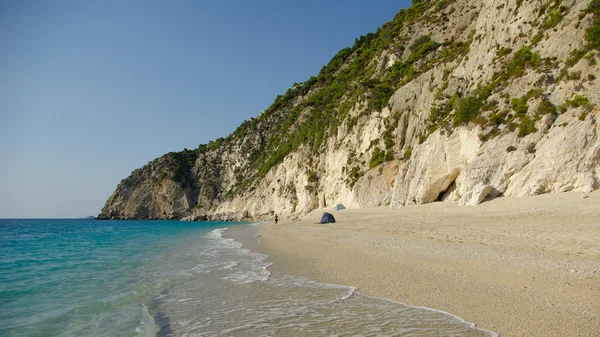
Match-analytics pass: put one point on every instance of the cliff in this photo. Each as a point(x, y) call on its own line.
point(451, 101)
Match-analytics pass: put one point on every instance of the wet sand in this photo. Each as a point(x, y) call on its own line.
point(519, 266)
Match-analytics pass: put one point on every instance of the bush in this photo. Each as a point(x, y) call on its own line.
point(546, 107)
point(377, 157)
point(441, 4)
point(574, 75)
point(552, 19)
point(591, 58)
point(405, 71)
point(495, 119)
point(511, 149)
point(563, 108)
point(527, 126)
point(389, 155)
point(436, 115)
point(388, 140)
point(353, 175)
point(380, 95)
point(592, 34)
point(504, 51)
point(574, 56)
point(422, 46)
point(523, 59)
point(420, 41)
point(578, 101)
point(468, 108)
point(519, 105)
point(407, 153)
point(453, 102)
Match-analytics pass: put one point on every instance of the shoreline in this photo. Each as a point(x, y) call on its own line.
point(517, 266)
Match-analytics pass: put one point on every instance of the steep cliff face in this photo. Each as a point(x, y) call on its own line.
point(452, 100)
point(164, 188)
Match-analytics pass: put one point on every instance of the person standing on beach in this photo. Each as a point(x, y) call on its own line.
point(276, 219)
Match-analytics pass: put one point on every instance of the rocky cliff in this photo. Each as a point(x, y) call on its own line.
point(451, 101)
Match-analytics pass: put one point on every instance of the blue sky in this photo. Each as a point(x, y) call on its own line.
point(91, 90)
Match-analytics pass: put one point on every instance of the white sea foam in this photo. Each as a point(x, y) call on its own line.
point(252, 271)
point(230, 265)
point(216, 233)
point(457, 318)
point(270, 305)
point(246, 266)
point(351, 292)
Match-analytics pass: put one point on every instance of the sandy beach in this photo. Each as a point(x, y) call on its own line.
point(518, 266)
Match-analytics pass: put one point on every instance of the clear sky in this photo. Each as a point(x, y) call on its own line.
point(91, 90)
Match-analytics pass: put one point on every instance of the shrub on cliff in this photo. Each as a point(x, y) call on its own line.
point(523, 59)
point(578, 101)
point(527, 126)
point(546, 107)
point(468, 108)
point(519, 105)
point(377, 157)
point(552, 19)
point(592, 34)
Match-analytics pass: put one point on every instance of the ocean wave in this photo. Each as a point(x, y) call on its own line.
point(246, 266)
point(238, 296)
point(216, 233)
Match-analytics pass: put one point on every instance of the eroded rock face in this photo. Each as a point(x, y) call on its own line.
point(434, 158)
point(156, 191)
point(376, 187)
point(564, 159)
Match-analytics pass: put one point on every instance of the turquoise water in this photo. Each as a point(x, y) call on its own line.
point(84, 277)
point(172, 278)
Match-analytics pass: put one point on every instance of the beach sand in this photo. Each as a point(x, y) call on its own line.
point(518, 266)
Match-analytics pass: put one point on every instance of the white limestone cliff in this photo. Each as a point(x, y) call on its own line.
point(468, 163)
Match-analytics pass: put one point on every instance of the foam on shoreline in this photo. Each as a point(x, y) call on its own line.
point(356, 304)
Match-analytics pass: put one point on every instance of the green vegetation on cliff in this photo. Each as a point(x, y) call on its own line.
point(361, 79)
point(592, 34)
point(445, 70)
point(310, 112)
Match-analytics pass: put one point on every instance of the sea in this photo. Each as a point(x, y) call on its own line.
point(173, 278)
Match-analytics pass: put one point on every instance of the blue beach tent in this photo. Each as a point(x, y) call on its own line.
point(327, 218)
point(339, 207)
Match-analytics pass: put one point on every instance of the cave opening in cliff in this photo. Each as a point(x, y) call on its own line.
point(447, 192)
